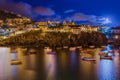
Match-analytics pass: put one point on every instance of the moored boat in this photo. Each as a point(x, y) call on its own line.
point(48, 50)
point(32, 51)
point(88, 59)
point(15, 62)
point(106, 57)
point(79, 47)
point(72, 48)
point(91, 47)
point(14, 51)
point(103, 46)
point(24, 49)
point(52, 52)
point(65, 47)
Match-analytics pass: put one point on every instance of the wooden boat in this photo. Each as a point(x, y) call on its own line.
point(103, 46)
point(111, 51)
point(15, 62)
point(103, 54)
point(106, 57)
point(79, 47)
point(32, 51)
point(46, 47)
point(90, 51)
point(59, 48)
point(24, 49)
point(65, 47)
point(14, 51)
point(88, 59)
point(48, 50)
point(91, 47)
point(52, 52)
point(72, 48)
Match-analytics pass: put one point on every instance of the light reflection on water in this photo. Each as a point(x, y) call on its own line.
point(4, 63)
point(106, 70)
point(64, 65)
point(50, 66)
point(73, 59)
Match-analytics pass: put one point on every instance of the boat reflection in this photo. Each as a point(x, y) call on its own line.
point(50, 66)
point(73, 59)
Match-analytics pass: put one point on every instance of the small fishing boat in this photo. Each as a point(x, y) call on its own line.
point(103, 54)
point(15, 62)
point(72, 48)
point(103, 46)
point(52, 52)
point(88, 59)
point(24, 49)
point(91, 47)
point(48, 49)
point(79, 47)
point(14, 51)
point(106, 57)
point(32, 51)
point(65, 47)
point(90, 51)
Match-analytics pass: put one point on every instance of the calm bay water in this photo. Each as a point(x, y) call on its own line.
point(64, 65)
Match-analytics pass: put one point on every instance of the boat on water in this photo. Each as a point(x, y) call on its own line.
point(106, 57)
point(91, 47)
point(32, 51)
point(15, 62)
point(103, 54)
point(103, 46)
point(52, 52)
point(72, 48)
point(79, 47)
point(90, 51)
point(14, 51)
point(65, 47)
point(24, 49)
point(88, 59)
point(47, 49)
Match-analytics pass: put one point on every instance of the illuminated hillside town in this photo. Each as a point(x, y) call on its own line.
point(13, 26)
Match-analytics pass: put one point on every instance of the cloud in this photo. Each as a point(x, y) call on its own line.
point(25, 9)
point(43, 11)
point(104, 20)
point(19, 8)
point(89, 19)
point(69, 11)
point(82, 17)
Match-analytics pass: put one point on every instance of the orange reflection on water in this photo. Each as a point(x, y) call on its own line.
point(4, 64)
point(50, 66)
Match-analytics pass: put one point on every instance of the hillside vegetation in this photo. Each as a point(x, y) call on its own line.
point(56, 39)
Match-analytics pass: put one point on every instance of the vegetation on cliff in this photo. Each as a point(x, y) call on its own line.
point(56, 39)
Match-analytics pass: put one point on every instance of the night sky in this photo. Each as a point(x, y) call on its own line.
point(91, 12)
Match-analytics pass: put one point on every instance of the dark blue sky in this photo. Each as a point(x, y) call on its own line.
point(93, 12)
